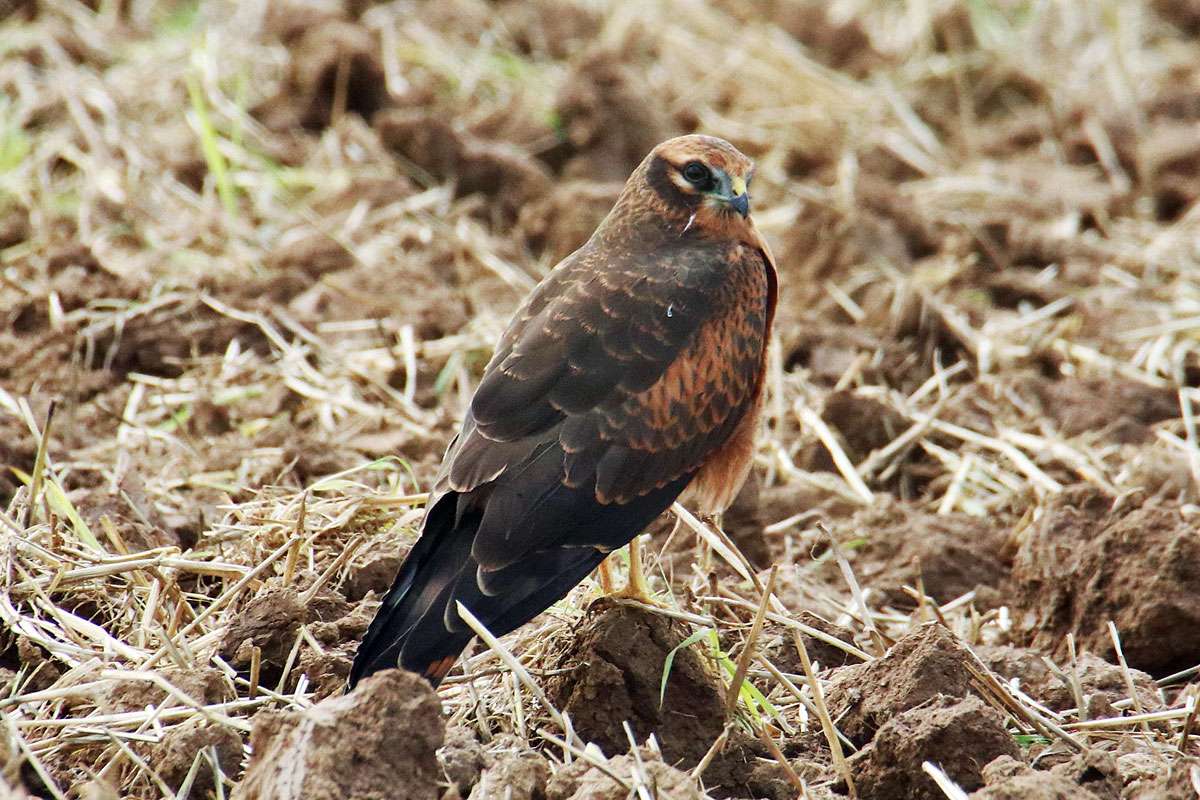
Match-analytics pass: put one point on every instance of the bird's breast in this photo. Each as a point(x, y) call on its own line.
point(719, 480)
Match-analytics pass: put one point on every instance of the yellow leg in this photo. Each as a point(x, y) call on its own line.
point(604, 573)
point(636, 589)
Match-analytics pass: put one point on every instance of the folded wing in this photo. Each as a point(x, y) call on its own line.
point(610, 389)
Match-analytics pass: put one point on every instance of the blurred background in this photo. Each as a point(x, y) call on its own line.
point(260, 251)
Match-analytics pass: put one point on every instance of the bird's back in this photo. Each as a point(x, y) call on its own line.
point(633, 370)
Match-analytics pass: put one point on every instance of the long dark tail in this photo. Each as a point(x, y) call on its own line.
point(418, 627)
point(420, 591)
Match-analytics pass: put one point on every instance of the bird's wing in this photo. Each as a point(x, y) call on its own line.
point(613, 385)
point(619, 380)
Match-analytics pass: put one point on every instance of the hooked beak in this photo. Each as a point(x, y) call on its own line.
point(739, 199)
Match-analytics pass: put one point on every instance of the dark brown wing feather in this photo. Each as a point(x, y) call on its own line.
point(640, 372)
point(617, 378)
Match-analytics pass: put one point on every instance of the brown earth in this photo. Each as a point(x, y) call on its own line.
point(348, 746)
point(779, 646)
point(960, 736)
point(463, 759)
point(616, 663)
point(583, 781)
point(920, 667)
point(1008, 779)
point(1101, 682)
point(952, 555)
point(1083, 565)
point(271, 622)
point(258, 257)
point(1180, 779)
point(519, 776)
point(203, 684)
point(173, 757)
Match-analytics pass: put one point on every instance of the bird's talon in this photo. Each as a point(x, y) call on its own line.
point(636, 588)
point(638, 596)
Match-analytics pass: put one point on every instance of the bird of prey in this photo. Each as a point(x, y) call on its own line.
point(632, 375)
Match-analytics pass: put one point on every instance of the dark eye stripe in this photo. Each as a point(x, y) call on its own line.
point(662, 179)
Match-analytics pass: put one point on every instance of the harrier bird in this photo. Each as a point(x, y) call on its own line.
point(631, 376)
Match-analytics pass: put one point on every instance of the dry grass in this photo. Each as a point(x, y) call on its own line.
point(260, 336)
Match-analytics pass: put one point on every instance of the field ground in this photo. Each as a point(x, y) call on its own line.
point(254, 256)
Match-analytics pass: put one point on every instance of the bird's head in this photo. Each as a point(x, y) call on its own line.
point(700, 180)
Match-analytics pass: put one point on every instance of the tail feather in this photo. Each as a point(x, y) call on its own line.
point(418, 627)
point(419, 592)
point(534, 552)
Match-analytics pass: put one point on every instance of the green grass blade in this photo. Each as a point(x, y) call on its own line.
point(669, 661)
point(61, 504)
point(209, 139)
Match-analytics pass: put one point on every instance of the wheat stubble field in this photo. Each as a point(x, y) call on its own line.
point(254, 256)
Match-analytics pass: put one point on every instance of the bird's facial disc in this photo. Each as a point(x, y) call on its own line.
point(720, 190)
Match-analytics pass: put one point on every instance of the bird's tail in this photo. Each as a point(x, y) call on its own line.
point(418, 627)
point(408, 629)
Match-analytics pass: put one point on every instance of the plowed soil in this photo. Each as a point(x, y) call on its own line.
point(254, 256)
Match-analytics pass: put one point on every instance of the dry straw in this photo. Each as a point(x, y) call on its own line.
point(225, 441)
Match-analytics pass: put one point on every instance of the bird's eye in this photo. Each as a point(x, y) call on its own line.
point(697, 174)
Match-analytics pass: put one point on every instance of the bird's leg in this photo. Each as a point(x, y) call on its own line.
point(636, 588)
point(604, 573)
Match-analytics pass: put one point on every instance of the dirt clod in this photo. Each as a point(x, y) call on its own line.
point(514, 776)
point(349, 746)
point(1002, 768)
point(862, 424)
point(43, 670)
point(555, 26)
point(204, 685)
point(616, 659)
point(1101, 682)
point(1122, 409)
point(462, 758)
point(746, 768)
point(270, 622)
point(561, 222)
point(173, 756)
point(373, 575)
point(1027, 666)
point(499, 170)
point(951, 553)
point(1034, 786)
point(779, 647)
point(327, 672)
point(1094, 771)
point(836, 41)
point(1179, 781)
point(959, 735)
point(607, 121)
point(1083, 565)
point(582, 781)
point(922, 665)
point(313, 254)
point(335, 69)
